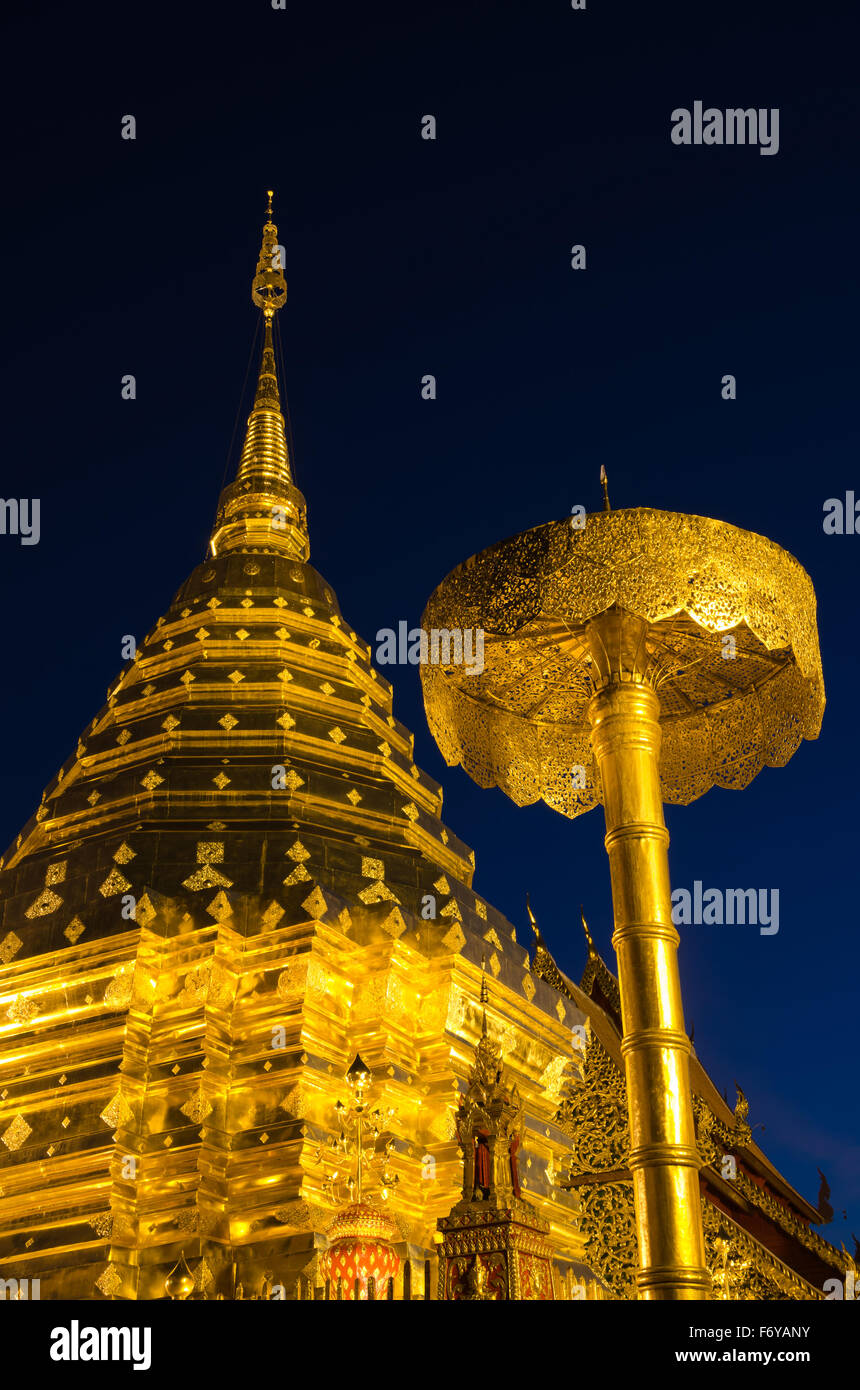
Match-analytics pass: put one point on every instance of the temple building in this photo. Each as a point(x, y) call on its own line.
point(237, 887)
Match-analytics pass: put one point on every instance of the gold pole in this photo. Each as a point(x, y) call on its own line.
point(664, 1160)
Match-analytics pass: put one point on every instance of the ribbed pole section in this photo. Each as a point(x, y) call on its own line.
point(664, 1160)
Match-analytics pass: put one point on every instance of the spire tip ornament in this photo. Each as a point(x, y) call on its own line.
point(263, 509)
point(540, 944)
point(269, 287)
point(532, 918)
point(592, 949)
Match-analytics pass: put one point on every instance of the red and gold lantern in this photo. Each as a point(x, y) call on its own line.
point(360, 1249)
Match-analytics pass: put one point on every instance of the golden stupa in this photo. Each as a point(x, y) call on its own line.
point(238, 883)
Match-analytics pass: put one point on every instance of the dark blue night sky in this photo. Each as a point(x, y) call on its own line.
point(407, 257)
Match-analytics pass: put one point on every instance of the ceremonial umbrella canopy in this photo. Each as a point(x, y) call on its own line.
point(729, 634)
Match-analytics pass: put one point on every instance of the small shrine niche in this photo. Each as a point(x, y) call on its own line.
point(489, 1123)
point(493, 1245)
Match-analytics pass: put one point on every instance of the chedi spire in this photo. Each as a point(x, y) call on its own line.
point(263, 510)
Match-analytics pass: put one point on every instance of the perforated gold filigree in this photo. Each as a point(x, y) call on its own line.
point(728, 707)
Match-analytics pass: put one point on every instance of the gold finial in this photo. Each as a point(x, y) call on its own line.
point(742, 1130)
point(532, 917)
point(604, 483)
point(269, 289)
point(540, 945)
point(263, 509)
point(592, 949)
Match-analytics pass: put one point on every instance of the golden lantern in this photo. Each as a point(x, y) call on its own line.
point(360, 1262)
point(361, 1252)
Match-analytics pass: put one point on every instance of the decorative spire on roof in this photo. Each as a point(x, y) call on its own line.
point(742, 1130)
point(543, 964)
point(263, 509)
point(592, 949)
point(598, 981)
point(539, 941)
point(596, 970)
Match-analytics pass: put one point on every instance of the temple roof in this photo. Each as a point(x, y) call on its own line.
point(598, 996)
